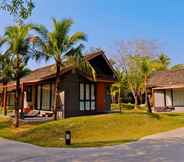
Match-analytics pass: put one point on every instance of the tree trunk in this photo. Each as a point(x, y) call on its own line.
point(2, 103)
point(149, 105)
point(17, 99)
point(119, 99)
point(135, 98)
point(136, 101)
point(147, 102)
point(56, 101)
point(5, 98)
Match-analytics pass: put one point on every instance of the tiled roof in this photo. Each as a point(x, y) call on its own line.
point(50, 70)
point(166, 78)
point(46, 71)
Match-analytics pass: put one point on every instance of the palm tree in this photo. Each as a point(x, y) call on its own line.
point(164, 60)
point(6, 74)
point(146, 70)
point(18, 43)
point(60, 46)
point(118, 85)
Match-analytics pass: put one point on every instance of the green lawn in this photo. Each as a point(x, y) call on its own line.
point(96, 130)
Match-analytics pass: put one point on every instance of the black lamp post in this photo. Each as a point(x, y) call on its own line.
point(68, 137)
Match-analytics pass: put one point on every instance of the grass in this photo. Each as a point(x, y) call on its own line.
point(99, 130)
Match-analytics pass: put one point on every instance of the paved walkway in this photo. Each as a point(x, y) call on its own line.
point(165, 147)
point(177, 133)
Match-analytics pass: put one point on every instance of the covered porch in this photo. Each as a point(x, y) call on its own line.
point(37, 99)
point(170, 98)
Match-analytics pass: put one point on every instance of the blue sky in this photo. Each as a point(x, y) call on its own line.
point(107, 22)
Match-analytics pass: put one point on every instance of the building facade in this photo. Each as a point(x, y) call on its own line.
point(79, 93)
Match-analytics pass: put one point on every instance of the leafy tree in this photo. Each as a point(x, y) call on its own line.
point(177, 67)
point(135, 77)
point(63, 48)
point(6, 74)
point(18, 43)
point(139, 59)
point(164, 61)
point(146, 69)
point(119, 85)
point(20, 9)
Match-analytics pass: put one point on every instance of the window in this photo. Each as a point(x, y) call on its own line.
point(29, 94)
point(11, 99)
point(87, 97)
point(45, 96)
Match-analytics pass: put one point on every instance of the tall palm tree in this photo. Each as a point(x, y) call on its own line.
point(6, 74)
point(146, 70)
point(18, 43)
point(61, 46)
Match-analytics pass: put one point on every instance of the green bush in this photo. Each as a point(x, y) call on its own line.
point(126, 106)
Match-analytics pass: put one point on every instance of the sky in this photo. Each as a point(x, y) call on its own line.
point(108, 22)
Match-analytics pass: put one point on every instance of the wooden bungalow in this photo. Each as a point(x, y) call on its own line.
point(167, 88)
point(79, 93)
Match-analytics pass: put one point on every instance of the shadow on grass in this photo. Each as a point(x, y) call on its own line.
point(169, 114)
point(5, 124)
point(153, 115)
point(101, 143)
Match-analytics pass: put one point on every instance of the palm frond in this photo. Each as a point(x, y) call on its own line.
point(78, 36)
point(42, 31)
point(61, 30)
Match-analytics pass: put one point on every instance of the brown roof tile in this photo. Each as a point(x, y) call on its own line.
point(166, 78)
point(50, 70)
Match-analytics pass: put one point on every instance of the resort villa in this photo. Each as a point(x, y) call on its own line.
point(79, 93)
point(167, 90)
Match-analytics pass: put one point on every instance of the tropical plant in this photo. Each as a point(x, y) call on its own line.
point(6, 74)
point(63, 48)
point(177, 67)
point(20, 9)
point(119, 85)
point(146, 69)
point(18, 48)
point(164, 61)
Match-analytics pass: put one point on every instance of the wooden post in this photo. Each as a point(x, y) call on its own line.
point(22, 101)
point(5, 99)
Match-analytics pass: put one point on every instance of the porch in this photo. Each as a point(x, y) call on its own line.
point(37, 100)
point(168, 98)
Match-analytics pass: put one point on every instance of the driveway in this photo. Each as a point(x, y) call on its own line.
point(164, 147)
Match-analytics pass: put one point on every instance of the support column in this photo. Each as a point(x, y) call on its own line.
point(22, 102)
point(5, 99)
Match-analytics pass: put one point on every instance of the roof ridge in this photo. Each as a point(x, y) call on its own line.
point(87, 55)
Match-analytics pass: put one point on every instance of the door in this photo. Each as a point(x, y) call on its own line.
point(62, 99)
point(100, 97)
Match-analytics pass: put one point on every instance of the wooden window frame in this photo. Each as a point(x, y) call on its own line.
point(90, 100)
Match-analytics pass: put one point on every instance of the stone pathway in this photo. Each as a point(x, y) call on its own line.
point(164, 147)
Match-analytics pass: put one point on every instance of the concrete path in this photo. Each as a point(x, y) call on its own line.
point(164, 147)
point(177, 133)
